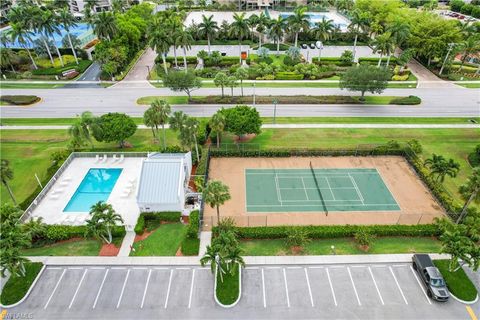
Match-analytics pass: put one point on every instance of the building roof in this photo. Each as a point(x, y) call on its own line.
point(160, 180)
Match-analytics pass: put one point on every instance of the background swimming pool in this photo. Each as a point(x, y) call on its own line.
point(95, 186)
point(317, 17)
point(82, 31)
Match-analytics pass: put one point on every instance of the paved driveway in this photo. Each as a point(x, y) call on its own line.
point(272, 292)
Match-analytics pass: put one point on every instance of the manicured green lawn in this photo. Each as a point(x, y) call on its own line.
point(457, 282)
point(17, 286)
point(30, 85)
point(84, 247)
point(227, 291)
point(190, 246)
point(273, 247)
point(164, 241)
point(169, 99)
point(404, 120)
point(469, 85)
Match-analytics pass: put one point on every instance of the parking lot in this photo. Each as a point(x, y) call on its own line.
point(146, 292)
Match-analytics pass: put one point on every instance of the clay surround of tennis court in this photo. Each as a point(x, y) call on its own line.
point(417, 204)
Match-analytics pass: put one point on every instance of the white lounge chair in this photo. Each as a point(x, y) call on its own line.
point(57, 190)
point(132, 180)
point(114, 158)
point(104, 159)
point(121, 158)
point(64, 183)
point(97, 158)
point(67, 178)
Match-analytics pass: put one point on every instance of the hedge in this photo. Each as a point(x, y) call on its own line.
point(80, 68)
point(171, 60)
point(285, 75)
point(331, 60)
point(322, 232)
point(158, 216)
point(474, 157)
point(273, 47)
point(58, 232)
point(20, 100)
point(193, 225)
point(224, 62)
point(465, 69)
point(410, 100)
point(375, 59)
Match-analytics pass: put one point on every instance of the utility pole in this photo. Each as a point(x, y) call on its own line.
point(254, 83)
point(450, 47)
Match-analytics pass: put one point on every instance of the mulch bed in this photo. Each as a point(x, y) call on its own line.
point(109, 250)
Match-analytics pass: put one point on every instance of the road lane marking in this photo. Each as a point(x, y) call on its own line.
point(78, 288)
point(146, 288)
point(286, 287)
point(191, 289)
point(420, 285)
point(471, 313)
point(97, 268)
point(55, 289)
point(309, 288)
point(316, 267)
point(376, 287)
point(100, 289)
point(123, 289)
point(139, 268)
point(353, 285)
point(294, 267)
point(182, 268)
point(74, 268)
point(398, 285)
point(331, 287)
point(160, 268)
point(168, 289)
point(263, 287)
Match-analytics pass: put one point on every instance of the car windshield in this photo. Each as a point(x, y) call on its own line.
point(437, 282)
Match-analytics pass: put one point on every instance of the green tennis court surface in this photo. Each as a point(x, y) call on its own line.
point(298, 190)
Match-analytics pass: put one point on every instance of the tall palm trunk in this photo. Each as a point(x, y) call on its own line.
point(223, 95)
point(48, 51)
point(379, 61)
point(175, 55)
point(355, 46)
point(296, 39)
point(58, 53)
point(71, 47)
point(259, 40)
point(278, 47)
point(5, 183)
point(218, 215)
point(218, 140)
point(240, 50)
point(185, 59)
point(196, 147)
point(241, 86)
point(464, 209)
point(31, 57)
point(208, 42)
point(164, 137)
point(388, 60)
point(164, 63)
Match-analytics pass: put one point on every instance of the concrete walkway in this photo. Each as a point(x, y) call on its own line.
point(126, 244)
point(205, 239)
point(298, 126)
point(426, 79)
point(137, 76)
point(258, 260)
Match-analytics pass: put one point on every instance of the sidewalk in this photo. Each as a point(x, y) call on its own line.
point(126, 244)
point(297, 126)
point(249, 260)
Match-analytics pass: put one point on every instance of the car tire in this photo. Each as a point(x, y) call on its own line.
point(429, 294)
point(415, 266)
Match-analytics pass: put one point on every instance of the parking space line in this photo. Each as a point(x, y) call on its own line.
point(471, 313)
point(420, 285)
point(315, 267)
point(294, 267)
point(251, 268)
point(353, 285)
point(309, 288)
point(118, 268)
point(168, 289)
point(331, 287)
point(75, 268)
point(100, 289)
point(55, 289)
point(146, 288)
point(398, 285)
point(97, 268)
point(272, 267)
point(207, 268)
point(139, 268)
point(182, 268)
point(78, 288)
point(123, 288)
point(357, 266)
point(376, 287)
point(379, 266)
point(191, 289)
point(286, 287)
point(54, 268)
point(160, 268)
point(263, 286)
point(400, 265)
point(336, 267)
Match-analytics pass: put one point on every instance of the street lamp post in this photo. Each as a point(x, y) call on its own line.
point(274, 110)
point(450, 47)
point(319, 45)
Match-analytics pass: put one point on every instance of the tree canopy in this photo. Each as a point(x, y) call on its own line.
point(365, 78)
point(114, 127)
point(182, 82)
point(242, 120)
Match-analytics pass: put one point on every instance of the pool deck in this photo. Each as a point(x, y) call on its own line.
point(52, 206)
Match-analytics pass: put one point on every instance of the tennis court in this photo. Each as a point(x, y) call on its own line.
point(317, 189)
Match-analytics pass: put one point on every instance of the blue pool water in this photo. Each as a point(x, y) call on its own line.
point(95, 186)
point(317, 17)
point(81, 31)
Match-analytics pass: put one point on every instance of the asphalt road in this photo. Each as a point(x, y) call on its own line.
point(366, 291)
point(454, 102)
point(91, 74)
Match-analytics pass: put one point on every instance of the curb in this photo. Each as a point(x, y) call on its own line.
point(28, 292)
point(463, 301)
point(239, 289)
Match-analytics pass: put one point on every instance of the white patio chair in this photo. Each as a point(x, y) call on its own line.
point(104, 158)
point(114, 158)
point(67, 178)
point(97, 158)
point(57, 190)
point(122, 158)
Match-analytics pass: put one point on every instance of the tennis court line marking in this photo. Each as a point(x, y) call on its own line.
point(279, 196)
point(305, 189)
point(306, 174)
point(391, 193)
point(337, 188)
point(331, 205)
point(356, 188)
point(330, 188)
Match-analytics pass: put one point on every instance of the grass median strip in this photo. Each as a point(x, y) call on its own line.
point(164, 241)
point(300, 99)
point(457, 282)
point(80, 247)
point(227, 291)
point(17, 286)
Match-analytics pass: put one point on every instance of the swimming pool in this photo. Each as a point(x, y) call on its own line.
point(314, 17)
point(96, 186)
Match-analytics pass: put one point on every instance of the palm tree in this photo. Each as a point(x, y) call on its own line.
point(35, 228)
point(80, 129)
point(358, 23)
point(191, 128)
point(252, 22)
point(262, 23)
point(239, 30)
point(6, 174)
point(323, 32)
point(400, 32)
point(207, 28)
point(44, 22)
point(184, 39)
point(217, 124)
point(156, 115)
point(221, 79)
point(234, 257)
point(241, 74)
point(298, 22)
point(212, 256)
point(383, 44)
point(469, 46)
point(160, 41)
point(470, 192)
point(19, 33)
point(277, 29)
point(67, 20)
point(440, 167)
point(104, 25)
point(215, 194)
point(174, 28)
point(103, 220)
point(7, 57)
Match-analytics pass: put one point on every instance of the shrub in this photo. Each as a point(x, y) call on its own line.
point(193, 225)
point(171, 60)
point(374, 60)
point(297, 237)
point(266, 77)
point(290, 62)
point(285, 75)
point(400, 78)
point(410, 100)
point(364, 237)
point(20, 100)
point(415, 145)
point(57, 232)
point(474, 157)
point(140, 226)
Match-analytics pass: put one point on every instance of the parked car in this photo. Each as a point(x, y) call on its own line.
point(431, 277)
